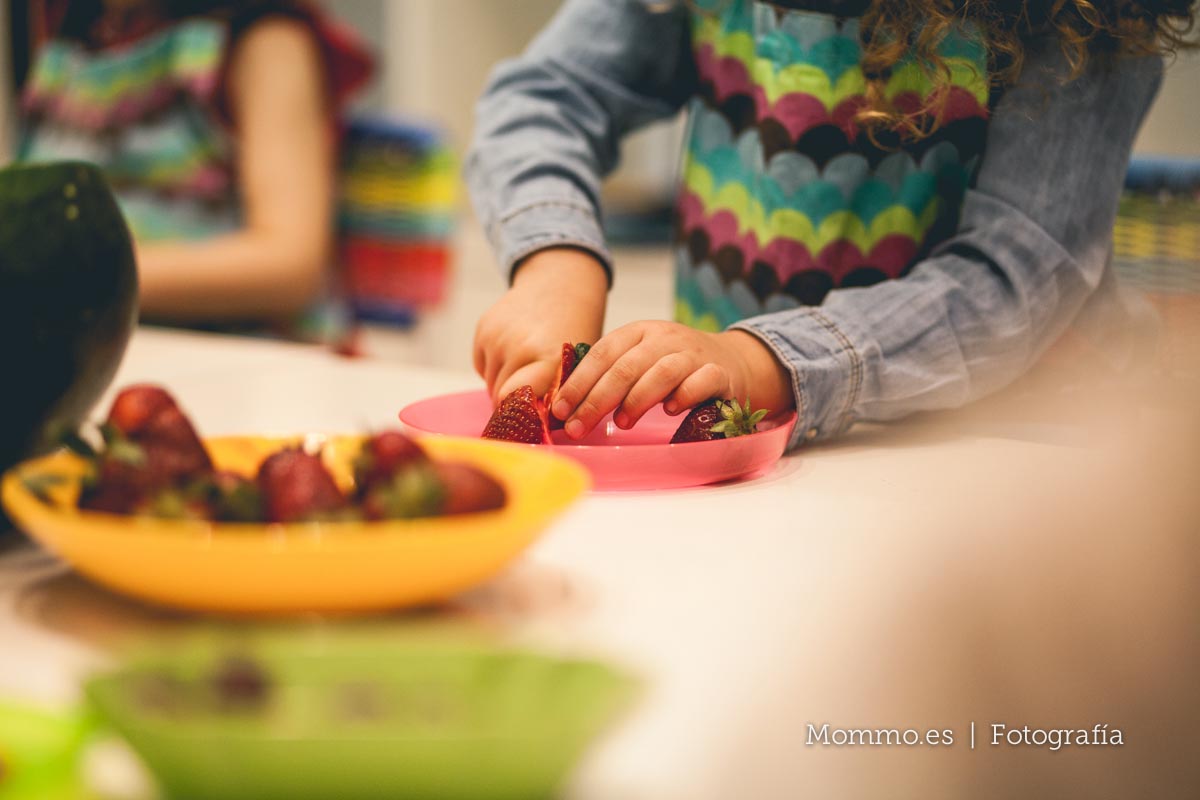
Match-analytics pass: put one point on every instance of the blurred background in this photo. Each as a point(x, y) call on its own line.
point(425, 272)
point(1058, 587)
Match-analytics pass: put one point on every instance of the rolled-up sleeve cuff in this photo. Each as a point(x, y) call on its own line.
point(826, 369)
point(548, 223)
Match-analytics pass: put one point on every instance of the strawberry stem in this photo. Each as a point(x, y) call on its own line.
point(737, 420)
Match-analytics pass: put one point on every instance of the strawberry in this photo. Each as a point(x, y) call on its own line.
point(148, 417)
point(718, 419)
point(413, 491)
point(520, 417)
point(468, 489)
point(135, 406)
point(223, 496)
point(151, 451)
point(383, 455)
point(430, 490)
point(117, 486)
point(234, 498)
point(571, 356)
point(295, 486)
point(240, 684)
point(188, 503)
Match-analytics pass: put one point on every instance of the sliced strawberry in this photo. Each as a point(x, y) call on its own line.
point(572, 354)
point(296, 486)
point(718, 419)
point(469, 489)
point(521, 417)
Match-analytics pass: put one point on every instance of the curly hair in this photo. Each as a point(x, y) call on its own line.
point(1086, 30)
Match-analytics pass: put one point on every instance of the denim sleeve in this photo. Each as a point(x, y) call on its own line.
point(549, 124)
point(1033, 242)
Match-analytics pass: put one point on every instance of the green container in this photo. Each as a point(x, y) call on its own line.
point(359, 717)
point(39, 753)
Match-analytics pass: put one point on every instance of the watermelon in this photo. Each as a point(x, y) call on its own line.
point(68, 300)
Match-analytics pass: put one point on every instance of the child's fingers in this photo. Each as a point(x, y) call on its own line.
point(493, 363)
point(600, 359)
point(516, 371)
point(537, 374)
point(707, 382)
point(653, 387)
point(610, 390)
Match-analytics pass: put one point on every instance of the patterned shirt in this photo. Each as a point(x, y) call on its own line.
point(998, 229)
point(784, 196)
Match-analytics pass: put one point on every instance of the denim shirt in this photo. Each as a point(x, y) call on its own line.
point(1029, 258)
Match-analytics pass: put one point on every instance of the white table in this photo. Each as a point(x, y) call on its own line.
point(974, 567)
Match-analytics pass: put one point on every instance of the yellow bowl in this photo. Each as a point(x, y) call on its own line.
point(280, 569)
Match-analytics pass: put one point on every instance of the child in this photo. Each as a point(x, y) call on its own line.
point(886, 206)
point(212, 120)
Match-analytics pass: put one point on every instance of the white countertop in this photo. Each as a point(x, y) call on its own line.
point(986, 566)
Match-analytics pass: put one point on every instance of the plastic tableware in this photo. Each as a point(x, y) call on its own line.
point(356, 715)
point(319, 566)
point(623, 460)
point(40, 750)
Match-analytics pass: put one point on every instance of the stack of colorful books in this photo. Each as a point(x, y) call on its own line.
point(396, 219)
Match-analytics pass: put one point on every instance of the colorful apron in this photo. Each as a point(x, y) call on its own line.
point(784, 196)
point(143, 113)
point(148, 112)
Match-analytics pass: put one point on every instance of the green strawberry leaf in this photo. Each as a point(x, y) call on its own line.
point(110, 433)
point(126, 452)
point(363, 463)
point(40, 485)
point(415, 491)
point(77, 444)
point(242, 504)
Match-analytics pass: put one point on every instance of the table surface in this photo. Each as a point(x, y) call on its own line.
point(855, 584)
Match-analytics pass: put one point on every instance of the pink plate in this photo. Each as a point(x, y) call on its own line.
point(619, 460)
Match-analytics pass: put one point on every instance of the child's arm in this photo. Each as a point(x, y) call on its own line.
point(273, 266)
point(548, 129)
point(1033, 243)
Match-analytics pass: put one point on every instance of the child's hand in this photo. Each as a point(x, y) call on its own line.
point(557, 296)
point(640, 365)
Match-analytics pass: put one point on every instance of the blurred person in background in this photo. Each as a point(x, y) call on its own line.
point(216, 124)
point(886, 207)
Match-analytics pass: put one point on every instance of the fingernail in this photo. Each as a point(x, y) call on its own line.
point(622, 419)
point(574, 429)
point(670, 408)
point(561, 409)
